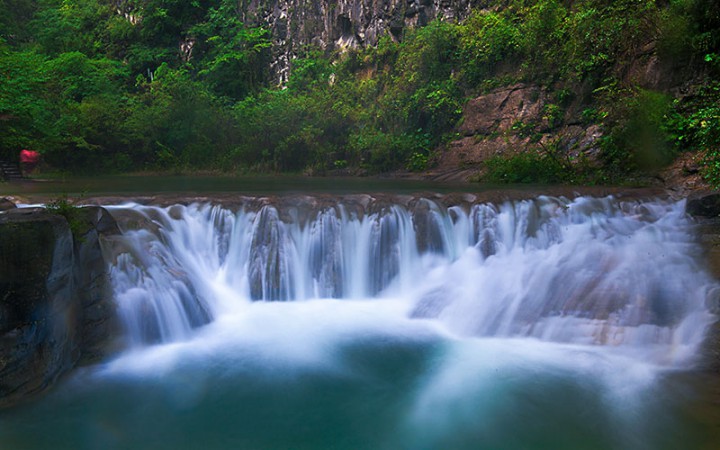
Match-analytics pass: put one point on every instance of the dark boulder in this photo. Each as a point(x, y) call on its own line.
point(6, 204)
point(38, 337)
point(703, 204)
point(705, 208)
point(56, 307)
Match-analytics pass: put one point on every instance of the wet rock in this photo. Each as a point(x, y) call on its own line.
point(6, 204)
point(705, 208)
point(703, 204)
point(427, 221)
point(98, 324)
point(511, 120)
point(268, 272)
point(38, 314)
point(56, 308)
point(708, 232)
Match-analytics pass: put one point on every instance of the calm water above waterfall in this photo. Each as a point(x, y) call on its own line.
point(355, 323)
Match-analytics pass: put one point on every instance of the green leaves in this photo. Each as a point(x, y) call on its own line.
point(102, 85)
point(487, 38)
point(25, 107)
point(697, 127)
point(233, 58)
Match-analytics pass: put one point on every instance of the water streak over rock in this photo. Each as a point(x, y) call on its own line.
point(592, 270)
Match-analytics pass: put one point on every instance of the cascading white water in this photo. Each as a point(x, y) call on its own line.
point(587, 271)
point(352, 323)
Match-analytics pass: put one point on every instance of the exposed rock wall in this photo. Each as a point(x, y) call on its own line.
point(333, 24)
point(705, 208)
point(55, 304)
point(510, 120)
point(98, 325)
point(37, 339)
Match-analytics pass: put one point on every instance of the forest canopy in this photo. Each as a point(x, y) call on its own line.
point(102, 85)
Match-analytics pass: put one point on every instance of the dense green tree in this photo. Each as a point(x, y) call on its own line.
point(137, 84)
point(233, 58)
point(26, 110)
point(15, 15)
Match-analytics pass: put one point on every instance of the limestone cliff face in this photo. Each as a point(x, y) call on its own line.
point(340, 24)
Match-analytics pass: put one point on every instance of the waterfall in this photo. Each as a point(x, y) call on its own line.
point(318, 322)
point(589, 271)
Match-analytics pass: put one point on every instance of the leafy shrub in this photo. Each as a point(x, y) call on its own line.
point(525, 168)
point(553, 114)
point(309, 71)
point(697, 127)
point(486, 39)
point(711, 168)
point(418, 162)
point(64, 207)
point(639, 137)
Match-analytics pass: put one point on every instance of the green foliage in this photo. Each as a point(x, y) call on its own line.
point(233, 58)
point(27, 110)
point(695, 125)
point(15, 16)
point(421, 92)
point(592, 115)
point(553, 114)
point(176, 120)
point(705, 126)
point(711, 169)
point(418, 162)
point(311, 71)
point(64, 207)
point(525, 168)
point(691, 28)
point(379, 151)
point(639, 138)
point(487, 38)
point(543, 33)
point(172, 84)
point(546, 164)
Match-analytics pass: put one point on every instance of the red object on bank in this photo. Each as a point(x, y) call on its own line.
point(29, 156)
point(28, 160)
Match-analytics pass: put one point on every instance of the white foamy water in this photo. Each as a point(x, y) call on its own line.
point(536, 324)
point(588, 271)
